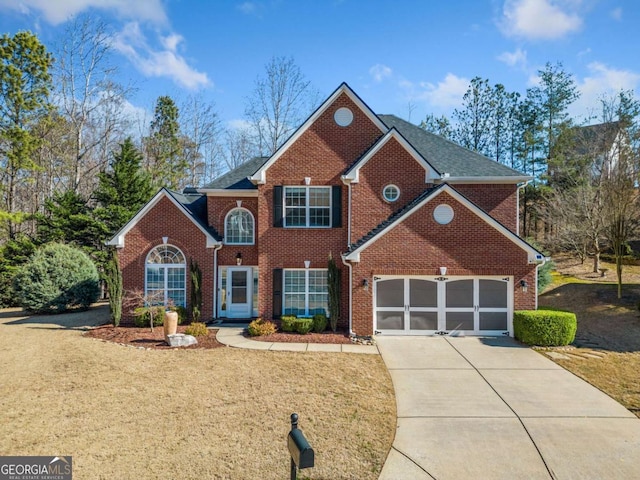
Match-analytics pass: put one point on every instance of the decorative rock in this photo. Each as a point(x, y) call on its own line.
point(181, 340)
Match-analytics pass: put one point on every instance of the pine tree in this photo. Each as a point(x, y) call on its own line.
point(123, 189)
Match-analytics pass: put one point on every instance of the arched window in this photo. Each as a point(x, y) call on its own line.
point(166, 276)
point(238, 227)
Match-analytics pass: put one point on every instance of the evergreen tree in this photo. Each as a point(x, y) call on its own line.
point(165, 150)
point(123, 189)
point(24, 92)
point(68, 219)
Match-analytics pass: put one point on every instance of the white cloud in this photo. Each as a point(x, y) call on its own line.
point(165, 62)
point(518, 58)
point(239, 124)
point(616, 13)
point(444, 96)
point(59, 11)
point(602, 80)
point(379, 72)
point(540, 19)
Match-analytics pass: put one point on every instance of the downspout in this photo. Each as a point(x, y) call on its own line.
point(215, 281)
point(350, 267)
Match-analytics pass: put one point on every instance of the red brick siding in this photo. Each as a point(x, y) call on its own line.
point(419, 246)
point(217, 210)
point(392, 164)
point(166, 220)
point(501, 201)
point(322, 152)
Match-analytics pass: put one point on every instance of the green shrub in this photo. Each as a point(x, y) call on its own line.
point(287, 323)
point(545, 327)
point(261, 327)
point(56, 278)
point(303, 325)
point(320, 322)
point(141, 316)
point(197, 329)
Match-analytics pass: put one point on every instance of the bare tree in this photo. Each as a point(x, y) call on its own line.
point(202, 132)
point(239, 147)
point(280, 102)
point(88, 98)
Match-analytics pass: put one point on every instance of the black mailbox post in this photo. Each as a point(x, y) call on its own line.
point(302, 455)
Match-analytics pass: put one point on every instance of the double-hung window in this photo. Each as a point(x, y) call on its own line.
point(307, 207)
point(305, 292)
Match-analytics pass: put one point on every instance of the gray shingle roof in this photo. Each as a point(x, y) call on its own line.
point(446, 156)
point(196, 205)
point(237, 178)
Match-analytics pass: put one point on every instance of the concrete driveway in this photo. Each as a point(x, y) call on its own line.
point(489, 408)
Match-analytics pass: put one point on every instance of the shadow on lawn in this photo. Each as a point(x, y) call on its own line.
point(97, 314)
point(604, 321)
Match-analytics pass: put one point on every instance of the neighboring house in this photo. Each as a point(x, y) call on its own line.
point(424, 231)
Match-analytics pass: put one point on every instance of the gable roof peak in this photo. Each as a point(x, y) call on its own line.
point(259, 176)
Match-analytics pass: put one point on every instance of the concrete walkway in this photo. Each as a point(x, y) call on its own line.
point(231, 335)
point(485, 408)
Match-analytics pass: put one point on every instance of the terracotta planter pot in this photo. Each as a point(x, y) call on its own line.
point(170, 324)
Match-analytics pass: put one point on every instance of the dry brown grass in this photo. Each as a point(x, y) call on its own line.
point(224, 413)
point(607, 326)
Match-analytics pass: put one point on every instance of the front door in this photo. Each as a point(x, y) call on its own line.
point(239, 281)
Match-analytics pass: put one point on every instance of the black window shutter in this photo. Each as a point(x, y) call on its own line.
point(336, 202)
point(277, 292)
point(277, 206)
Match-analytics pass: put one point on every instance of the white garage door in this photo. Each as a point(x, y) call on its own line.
point(439, 305)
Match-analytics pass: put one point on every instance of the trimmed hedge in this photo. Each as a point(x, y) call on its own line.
point(293, 324)
point(546, 328)
point(320, 322)
point(287, 323)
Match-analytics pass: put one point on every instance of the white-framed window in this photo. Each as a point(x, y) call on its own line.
point(305, 292)
point(166, 276)
point(391, 193)
point(307, 207)
point(239, 227)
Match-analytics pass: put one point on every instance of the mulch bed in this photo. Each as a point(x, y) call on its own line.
point(284, 337)
point(144, 338)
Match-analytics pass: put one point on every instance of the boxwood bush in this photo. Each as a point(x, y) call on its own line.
point(57, 278)
point(303, 325)
point(320, 322)
point(288, 323)
point(546, 328)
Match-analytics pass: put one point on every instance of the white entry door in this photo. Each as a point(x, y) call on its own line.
point(239, 294)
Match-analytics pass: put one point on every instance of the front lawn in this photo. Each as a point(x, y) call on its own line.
point(606, 351)
point(222, 413)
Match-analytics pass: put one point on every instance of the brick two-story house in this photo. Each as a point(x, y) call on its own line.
point(424, 231)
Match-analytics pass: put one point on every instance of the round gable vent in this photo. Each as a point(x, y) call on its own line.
point(343, 117)
point(443, 214)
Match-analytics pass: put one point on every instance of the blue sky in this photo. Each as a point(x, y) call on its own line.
point(399, 56)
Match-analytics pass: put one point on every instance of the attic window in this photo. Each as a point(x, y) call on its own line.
point(391, 193)
point(343, 117)
point(443, 214)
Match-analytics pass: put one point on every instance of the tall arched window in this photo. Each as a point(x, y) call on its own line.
point(238, 227)
point(165, 276)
